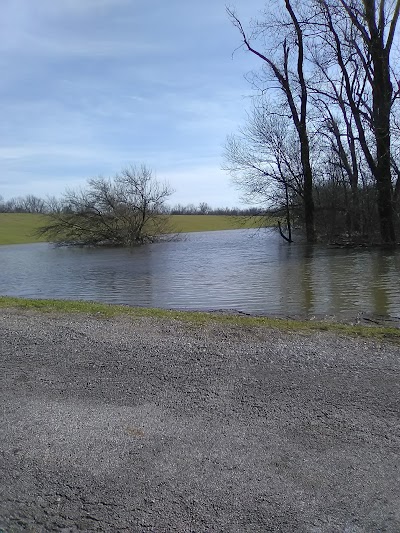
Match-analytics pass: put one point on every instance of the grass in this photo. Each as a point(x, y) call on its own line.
point(198, 318)
point(19, 228)
point(189, 223)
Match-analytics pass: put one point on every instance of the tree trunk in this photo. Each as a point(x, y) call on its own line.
point(382, 97)
point(308, 192)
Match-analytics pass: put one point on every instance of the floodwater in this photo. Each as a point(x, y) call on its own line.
point(249, 271)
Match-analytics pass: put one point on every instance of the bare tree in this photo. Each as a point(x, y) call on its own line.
point(204, 208)
point(367, 29)
point(52, 204)
point(333, 64)
point(33, 204)
point(123, 211)
point(23, 204)
point(336, 123)
point(294, 88)
point(265, 163)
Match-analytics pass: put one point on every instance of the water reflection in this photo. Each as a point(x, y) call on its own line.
point(253, 272)
point(307, 277)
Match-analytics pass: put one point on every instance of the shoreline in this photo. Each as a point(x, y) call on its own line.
point(370, 328)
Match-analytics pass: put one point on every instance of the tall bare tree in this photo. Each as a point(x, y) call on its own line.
point(367, 28)
point(294, 88)
point(265, 164)
point(333, 62)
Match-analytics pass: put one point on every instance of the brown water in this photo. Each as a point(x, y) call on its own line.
point(242, 270)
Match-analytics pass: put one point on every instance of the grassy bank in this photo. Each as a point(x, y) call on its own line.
point(198, 318)
point(19, 228)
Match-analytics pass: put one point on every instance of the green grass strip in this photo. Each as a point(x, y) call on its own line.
point(193, 223)
point(20, 228)
point(198, 318)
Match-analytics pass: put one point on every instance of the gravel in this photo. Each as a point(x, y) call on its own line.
point(152, 425)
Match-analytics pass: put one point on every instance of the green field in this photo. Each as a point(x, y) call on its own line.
point(189, 223)
point(19, 228)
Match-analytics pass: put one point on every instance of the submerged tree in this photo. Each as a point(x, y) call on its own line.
point(123, 211)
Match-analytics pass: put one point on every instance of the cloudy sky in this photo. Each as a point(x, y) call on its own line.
point(91, 86)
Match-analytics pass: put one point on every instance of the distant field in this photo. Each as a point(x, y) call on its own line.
point(188, 223)
point(19, 228)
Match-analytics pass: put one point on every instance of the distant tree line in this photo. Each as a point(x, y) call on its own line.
point(204, 209)
point(26, 204)
point(321, 146)
point(35, 204)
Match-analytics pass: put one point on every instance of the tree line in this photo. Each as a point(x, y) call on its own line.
point(205, 209)
point(321, 145)
point(26, 204)
point(36, 205)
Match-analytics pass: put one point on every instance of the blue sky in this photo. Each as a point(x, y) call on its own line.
point(91, 86)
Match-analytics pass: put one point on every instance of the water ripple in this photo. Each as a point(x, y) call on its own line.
point(252, 272)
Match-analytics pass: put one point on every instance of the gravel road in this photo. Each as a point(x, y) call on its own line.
point(151, 425)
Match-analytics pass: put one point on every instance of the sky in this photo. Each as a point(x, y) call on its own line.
point(89, 87)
